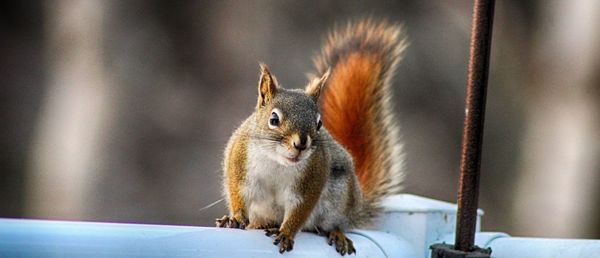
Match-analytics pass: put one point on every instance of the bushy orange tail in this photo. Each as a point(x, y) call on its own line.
point(356, 103)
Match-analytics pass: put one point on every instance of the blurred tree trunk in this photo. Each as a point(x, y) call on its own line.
point(68, 140)
point(559, 173)
point(22, 80)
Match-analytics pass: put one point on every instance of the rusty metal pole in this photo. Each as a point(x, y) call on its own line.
point(479, 60)
point(470, 159)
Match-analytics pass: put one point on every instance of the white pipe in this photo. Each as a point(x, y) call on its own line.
point(410, 225)
point(36, 238)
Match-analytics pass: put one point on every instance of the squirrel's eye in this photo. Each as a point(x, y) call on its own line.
point(319, 123)
point(274, 120)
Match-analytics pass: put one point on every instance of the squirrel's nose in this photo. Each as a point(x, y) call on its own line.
point(300, 142)
point(300, 146)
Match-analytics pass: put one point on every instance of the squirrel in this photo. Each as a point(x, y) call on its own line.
point(322, 158)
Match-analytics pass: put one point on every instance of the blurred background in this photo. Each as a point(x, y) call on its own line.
point(120, 110)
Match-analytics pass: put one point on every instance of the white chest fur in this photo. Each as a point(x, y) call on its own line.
point(270, 186)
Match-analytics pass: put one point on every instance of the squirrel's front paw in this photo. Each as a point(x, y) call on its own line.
point(227, 222)
point(285, 242)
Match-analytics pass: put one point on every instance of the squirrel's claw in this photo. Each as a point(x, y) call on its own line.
point(227, 222)
point(285, 242)
point(222, 222)
point(343, 245)
point(271, 231)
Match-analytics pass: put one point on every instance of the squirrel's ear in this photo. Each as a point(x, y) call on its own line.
point(315, 86)
point(267, 85)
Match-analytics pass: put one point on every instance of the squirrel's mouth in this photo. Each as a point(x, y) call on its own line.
point(294, 159)
point(288, 157)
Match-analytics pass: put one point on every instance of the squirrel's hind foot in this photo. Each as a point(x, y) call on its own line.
point(343, 245)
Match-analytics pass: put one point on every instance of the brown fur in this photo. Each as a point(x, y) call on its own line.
point(356, 104)
point(309, 187)
point(235, 172)
point(356, 70)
